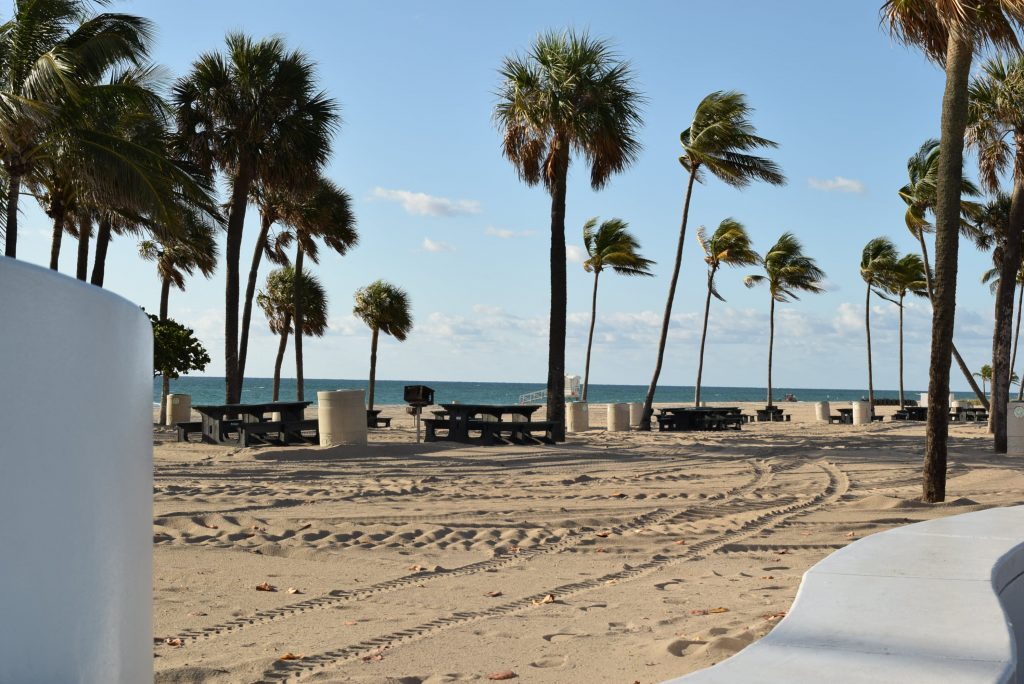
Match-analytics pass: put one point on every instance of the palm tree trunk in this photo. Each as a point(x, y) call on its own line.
point(11, 227)
point(1016, 338)
point(590, 337)
point(867, 327)
point(1009, 267)
point(771, 347)
point(959, 52)
point(165, 293)
point(165, 389)
point(703, 337)
point(373, 366)
point(297, 308)
point(645, 420)
point(902, 398)
point(250, 291)
point(556, 325)
point(84, 233)
point(282, 345)
point(232, 253)
point(99, 264)
point(978, 392)
point(58, 236)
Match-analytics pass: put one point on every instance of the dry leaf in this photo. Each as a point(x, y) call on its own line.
point(293, 590)
point(718, 610)
point(265, 586)
point(196, 613)
point(291, 656)
point(493, 594)
point(417, 568)
point(679, 542)
point(767, 577)
point(305, 527)
point(351, 622)
point(176, 642)
point(374, 657)
point(602, 534)
point(619, 495)
point(851, 534)
point(549, 598)
point(698, 611)
point(774, 616)
point(259, 529)
point(212, 527)
point(504, 674)
point(514, 549)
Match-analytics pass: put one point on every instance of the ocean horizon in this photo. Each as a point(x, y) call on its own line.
point(210, 390)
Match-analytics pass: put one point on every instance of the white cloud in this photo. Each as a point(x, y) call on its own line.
point(431, 246)
point(837, 184)
point(505, 234)
point(574, 254)
point(422, 204)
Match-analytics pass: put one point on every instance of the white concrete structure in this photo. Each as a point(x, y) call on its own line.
point(636, 413)
point(618, 417)
point(822, 411)
point(1015, 428)
point(577, 417)
point(861, 412)
point(923, 400)
point(342, 417)
point(939, 601)
point(179, 408)
point(76, 457)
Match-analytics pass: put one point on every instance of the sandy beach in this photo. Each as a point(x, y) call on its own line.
point(615, 557)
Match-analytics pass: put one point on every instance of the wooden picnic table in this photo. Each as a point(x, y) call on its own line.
point(248, 424)
point(496, 424)
point(685, 418)
point(845, 415)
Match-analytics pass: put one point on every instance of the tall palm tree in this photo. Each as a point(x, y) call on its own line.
point(985, 374)
point(729, 245)
point(569, 94)
point(877, 262)
point(612, 246)
point(787, 271)
point(949, 32)
point(384, 308)
point(906, 277)
point(50, 50)
point(718, 140)
point(278, 304)
point(255, 114)
point(919, 194)
point(996, 132)
point(991, 278)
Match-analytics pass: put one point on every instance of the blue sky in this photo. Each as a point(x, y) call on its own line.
point(442, 214)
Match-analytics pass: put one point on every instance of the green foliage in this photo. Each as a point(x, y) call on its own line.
point(384, 307)
point(788, 270)
point(612, 245)
point(176, 351)
point(878, 261)
point(907, 277)
point(278, 302)
point(919, 194)
point(729, 245)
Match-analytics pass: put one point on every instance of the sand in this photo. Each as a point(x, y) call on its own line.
point(616, 557)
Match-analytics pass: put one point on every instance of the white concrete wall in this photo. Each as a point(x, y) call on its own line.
point(930, 602)
point(76, 482)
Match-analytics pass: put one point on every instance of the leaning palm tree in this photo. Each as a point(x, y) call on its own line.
point(906, 277)
point(787, 271)
point(255, 114)
point(384, 308)
point(278, 304)
point(728, 246)
point(996, 131)
point(949, 32)
point(612, 246)
point(569, 94)
point(717, 141)
point(877, 262)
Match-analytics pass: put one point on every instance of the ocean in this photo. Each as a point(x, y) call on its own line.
point(208, 390)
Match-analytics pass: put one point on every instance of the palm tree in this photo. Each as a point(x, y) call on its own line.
point(569, 94)
point(50, 52)
point(985, 374)
point(877, 262)
point(256, 115)
point(611, 246)
point(717, 140)
point(384, 308)
point(728, 246)
point(991, 278)
point(949, 32)
point(787, 271)
point(906, 277)
point(278, 304)
point(919, 194)
point(996, 131)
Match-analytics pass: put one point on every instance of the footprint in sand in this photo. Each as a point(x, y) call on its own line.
point(680, 647)
point(558, 637)
point(550, 662)
point(671, 585)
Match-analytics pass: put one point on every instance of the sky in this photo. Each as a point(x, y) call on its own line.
point(442, 214)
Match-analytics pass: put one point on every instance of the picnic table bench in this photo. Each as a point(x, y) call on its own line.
point(488, 424)
point(686, 418)
point(373, 419)
point(248, 424)
point(773, 414)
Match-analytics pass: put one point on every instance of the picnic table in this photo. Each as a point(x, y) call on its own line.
point(845, 415)
point(918, 413)
point(686, 418)
point(489, 424)
point(969, 414)
point(772, 414)
point(248, 424)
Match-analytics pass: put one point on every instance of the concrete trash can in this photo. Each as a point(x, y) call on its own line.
point(342, 417)
point(822, 411)
point(1015, 428)
point(618, 417)
point(577, 417)
point(179, 408)
point(924, 399)
point(636, 413)
point(861, 412)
